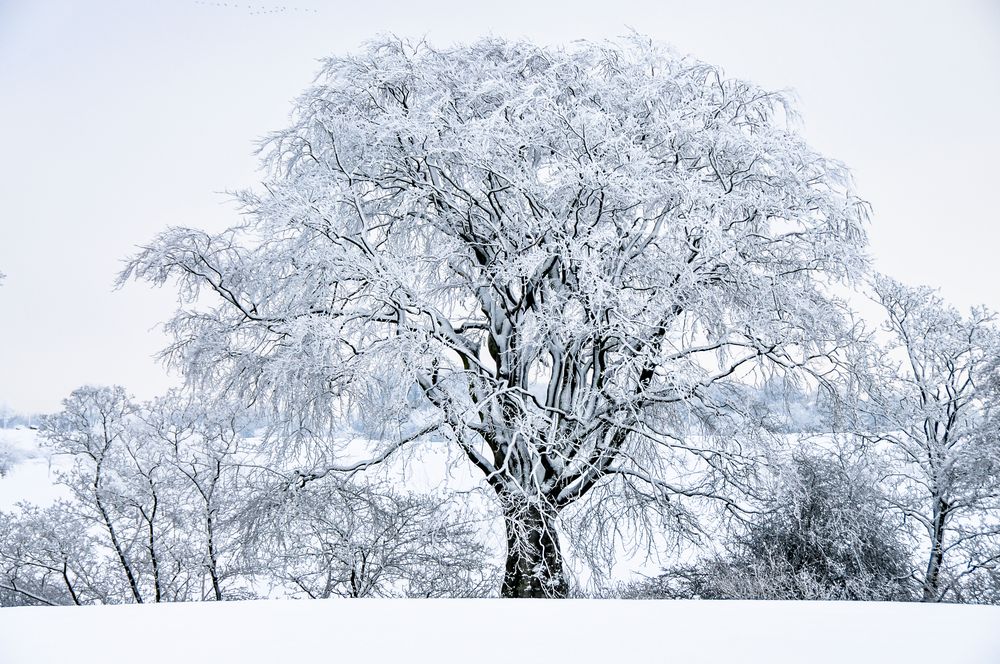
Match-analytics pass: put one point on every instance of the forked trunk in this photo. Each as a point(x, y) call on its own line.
point(534, 562)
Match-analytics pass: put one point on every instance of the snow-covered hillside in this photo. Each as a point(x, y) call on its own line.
point(487, 631)
point(30, 477)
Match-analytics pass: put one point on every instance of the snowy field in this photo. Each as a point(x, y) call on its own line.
point(30, 476)
point(508, 631)
point(482, 631)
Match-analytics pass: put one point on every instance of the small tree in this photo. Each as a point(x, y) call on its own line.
point(560, 250)
point(50, 556)
point(203, 449)
point(825, 533)
point(926, 399)
point(155, 485)
point(8, 457)
point(170, 502)
point(350, 539)
point(92, 429)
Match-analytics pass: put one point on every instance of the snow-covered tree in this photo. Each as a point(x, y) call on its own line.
point(8, 457)
point(91, 429)
point(926, 399)
point(201, 448)
point(559, 252)
point(170, 501)
point(155, 485)
point(353, 539)
point(824, 532)
point(50, 556)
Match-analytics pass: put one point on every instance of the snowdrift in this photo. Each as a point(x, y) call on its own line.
point(487, 631)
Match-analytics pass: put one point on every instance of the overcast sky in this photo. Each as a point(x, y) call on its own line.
point(121, 117)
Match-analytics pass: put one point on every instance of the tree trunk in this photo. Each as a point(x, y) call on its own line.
point(534, 562)
point(932, 577)
point(213, 563)
point(132, 583)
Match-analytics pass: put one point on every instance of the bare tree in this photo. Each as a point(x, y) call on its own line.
point(564, 252)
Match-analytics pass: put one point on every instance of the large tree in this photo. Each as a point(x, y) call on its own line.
point(555, 250)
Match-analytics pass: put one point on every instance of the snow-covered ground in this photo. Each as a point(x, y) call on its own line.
point(483, 631)
point(508, 631)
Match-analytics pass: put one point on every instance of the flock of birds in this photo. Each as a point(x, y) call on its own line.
point(258, 9)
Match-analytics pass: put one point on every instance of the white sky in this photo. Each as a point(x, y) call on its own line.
point(120, 117)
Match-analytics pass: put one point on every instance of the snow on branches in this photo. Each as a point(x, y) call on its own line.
point(558, 250)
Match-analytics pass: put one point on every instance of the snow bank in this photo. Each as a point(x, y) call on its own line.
point(486, 631)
